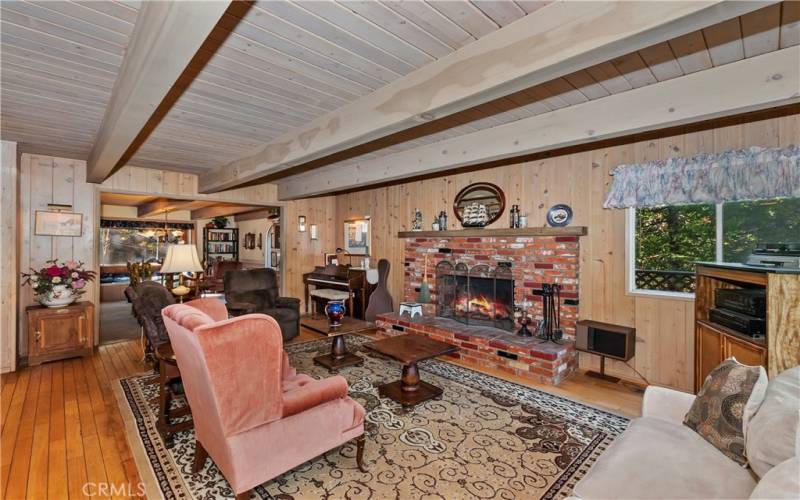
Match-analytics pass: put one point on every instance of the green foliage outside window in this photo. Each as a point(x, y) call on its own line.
point(747, 223)
point(674, 238)
point(670, 240)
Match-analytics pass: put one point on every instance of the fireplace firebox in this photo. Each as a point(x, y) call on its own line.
point(482, 295)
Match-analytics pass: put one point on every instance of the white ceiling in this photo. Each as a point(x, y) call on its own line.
point(279, 64)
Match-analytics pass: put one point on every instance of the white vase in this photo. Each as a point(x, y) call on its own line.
point(59, 296)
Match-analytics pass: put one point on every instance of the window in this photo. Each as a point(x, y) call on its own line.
point(139, 241)
point(665, 242)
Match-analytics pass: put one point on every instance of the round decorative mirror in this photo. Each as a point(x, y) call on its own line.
point(479, 204)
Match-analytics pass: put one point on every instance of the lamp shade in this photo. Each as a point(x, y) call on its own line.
point(180, 259)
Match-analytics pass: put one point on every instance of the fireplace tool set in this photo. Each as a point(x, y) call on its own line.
point(549, 328)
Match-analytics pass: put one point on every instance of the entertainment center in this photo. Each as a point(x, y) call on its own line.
point(778, 350)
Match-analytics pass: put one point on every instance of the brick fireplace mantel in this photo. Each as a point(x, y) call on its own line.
point(492, 232)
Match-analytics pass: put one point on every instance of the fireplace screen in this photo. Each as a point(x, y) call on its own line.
point(482, 295)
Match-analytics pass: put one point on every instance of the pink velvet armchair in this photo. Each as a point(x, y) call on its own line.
point(253, 415)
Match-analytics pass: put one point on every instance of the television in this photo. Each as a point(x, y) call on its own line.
point(604, 339)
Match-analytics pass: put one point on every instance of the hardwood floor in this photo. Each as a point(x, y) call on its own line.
point(62, 429)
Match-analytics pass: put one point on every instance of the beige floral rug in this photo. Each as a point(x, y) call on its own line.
point(485, 438)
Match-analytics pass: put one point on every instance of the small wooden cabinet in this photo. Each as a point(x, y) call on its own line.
point(714, 343)
point(58, 333)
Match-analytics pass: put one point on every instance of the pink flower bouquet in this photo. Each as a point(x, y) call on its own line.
point(69, 275)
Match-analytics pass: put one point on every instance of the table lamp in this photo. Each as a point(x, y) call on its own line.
point(181, 258)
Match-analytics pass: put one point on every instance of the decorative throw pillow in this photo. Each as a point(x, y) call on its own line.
point(782, 481)
point(772, 432)
point(731, 392)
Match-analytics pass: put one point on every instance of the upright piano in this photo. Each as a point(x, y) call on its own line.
point(341, 277)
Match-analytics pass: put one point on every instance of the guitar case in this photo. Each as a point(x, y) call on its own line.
point(380, 301)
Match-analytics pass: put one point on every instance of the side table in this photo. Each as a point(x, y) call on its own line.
point(169, 386)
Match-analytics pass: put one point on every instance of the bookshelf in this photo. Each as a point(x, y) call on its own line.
point(220, 243)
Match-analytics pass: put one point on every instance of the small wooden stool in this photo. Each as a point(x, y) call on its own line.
point(412, 308)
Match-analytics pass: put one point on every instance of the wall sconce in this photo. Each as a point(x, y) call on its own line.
point(301, 223)
point(313, 231)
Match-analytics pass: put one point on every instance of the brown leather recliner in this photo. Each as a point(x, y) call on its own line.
point(260, 288)
point(147, 299)
point(214, 280)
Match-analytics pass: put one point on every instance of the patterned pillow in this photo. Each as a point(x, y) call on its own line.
point(730, 392)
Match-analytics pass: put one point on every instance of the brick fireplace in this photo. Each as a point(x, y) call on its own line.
point(532, 260)
point(526, 261)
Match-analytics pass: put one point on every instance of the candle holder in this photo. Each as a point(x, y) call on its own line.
point(525, 320)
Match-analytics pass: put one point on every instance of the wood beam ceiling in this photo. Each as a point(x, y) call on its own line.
point(165, 38)
point(768, 80)
point(557, 40)
point(225, 210)
point(161, 205)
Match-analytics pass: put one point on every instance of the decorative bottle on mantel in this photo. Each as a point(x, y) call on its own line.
point(513, 216)
point(416, 222)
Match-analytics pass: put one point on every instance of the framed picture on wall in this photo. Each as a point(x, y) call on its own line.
point(357, 236)
point(50, 223)
point(330, 259)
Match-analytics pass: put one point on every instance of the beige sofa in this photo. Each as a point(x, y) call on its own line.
point(659, 457)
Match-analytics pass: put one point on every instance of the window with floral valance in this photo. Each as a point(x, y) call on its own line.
point(711, 207)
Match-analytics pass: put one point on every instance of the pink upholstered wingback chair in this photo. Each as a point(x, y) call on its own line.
point(253, 415)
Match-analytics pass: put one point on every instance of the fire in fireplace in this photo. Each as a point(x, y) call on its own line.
point(482, 295)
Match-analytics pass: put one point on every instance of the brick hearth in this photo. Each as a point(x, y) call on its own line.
point(531, 358)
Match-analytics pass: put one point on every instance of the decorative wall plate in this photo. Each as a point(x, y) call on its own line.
point(559, 215)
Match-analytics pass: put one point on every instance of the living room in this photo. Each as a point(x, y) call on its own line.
point(482, 249)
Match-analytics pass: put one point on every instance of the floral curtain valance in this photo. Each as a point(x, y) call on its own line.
point(144, 224)
point(736, 175)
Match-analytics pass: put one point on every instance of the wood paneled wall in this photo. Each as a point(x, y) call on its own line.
point(300, 252)
point(664, 326)
point(9, 177)
point(45, 180)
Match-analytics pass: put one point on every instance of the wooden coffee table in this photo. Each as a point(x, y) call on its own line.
point(339, 357)
point(410, 349)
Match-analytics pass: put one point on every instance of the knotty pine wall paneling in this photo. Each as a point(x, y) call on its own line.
point(9, 277)
point(45, 180)
point(664, 326)
point(299, 251)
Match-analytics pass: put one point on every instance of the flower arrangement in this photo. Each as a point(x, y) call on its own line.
point(56, 281)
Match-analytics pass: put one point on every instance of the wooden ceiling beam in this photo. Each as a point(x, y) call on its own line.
point(554, 41)
point(221, 209)
point(761, 82)
point(161, 205)
point(165, 38)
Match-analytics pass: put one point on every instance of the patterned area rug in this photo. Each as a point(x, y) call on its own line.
point(485, 438)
